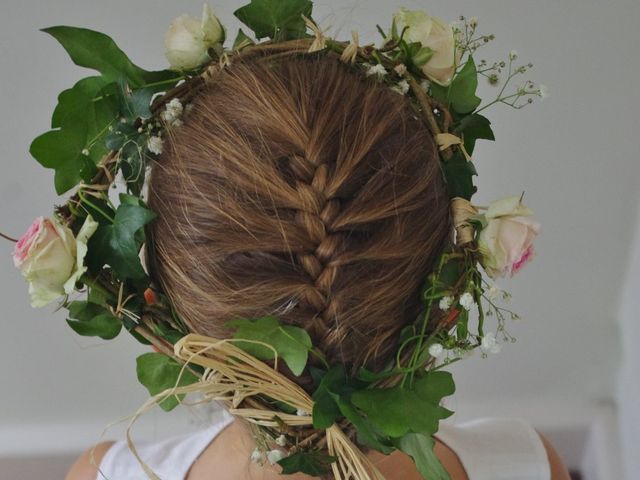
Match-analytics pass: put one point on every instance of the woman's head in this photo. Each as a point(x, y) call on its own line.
point(301, 189)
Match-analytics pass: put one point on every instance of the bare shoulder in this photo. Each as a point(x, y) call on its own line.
point(86, 469)
point(558, 468)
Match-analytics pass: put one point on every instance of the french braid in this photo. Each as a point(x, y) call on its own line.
point(302, 189)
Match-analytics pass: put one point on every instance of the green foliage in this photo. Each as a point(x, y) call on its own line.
point(474, 127)
point(460, 95)
point(159, 372)
point(92, 320)
point(242, 40)
point(95, 50)
point(325, 407)
point(458, 173)
point(277, 19)
point(312, 463)
point(84, 112)
point(398, 410)
point(118, 244)
point(420, 448)
point(292, 344)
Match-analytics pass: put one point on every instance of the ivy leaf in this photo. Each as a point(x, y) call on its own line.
point(458, 173)
point(277, 19)
point(61, 151)
point(291, 343)
point(474, 127)
point(159, 372)
point(325, 408)
point(241, 41)
point(93, 320)
point(312, 463)
point(134, 104)
point(397, 410)
point(80, 120)
point(95, 50)
point(420, 448)
point(119, 243)
point(461, 93)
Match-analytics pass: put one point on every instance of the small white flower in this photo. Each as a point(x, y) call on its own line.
point(489, 344)
point(281, 441)
point(473, 22)
point(436, 350)
point(445, 303)
point(400, 69)
point(401, 88)
point(493, 292)
point(543, 91)
point(425, 85)
point(302, 413)
point(256, 455)
point(274, 456)
point(466, 301)
point(154, 145)
point(377, 69)
point(172, 112)
point(85, 152)
point(513, 54)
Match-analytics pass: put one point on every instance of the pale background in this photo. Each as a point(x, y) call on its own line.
point(573, 372)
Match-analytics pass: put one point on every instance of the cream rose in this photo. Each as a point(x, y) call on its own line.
point(506, 243)
point(434, 34)
point(188, 40)
point(51, 259)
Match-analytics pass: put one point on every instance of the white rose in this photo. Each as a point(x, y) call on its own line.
point(506, 243)
point(51, 259)
point(188, 39)
point(434, 34)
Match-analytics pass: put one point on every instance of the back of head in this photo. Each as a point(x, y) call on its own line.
point(301, 189)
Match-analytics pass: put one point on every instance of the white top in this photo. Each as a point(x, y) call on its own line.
point(488, 448)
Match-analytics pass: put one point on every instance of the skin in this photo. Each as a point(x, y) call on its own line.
point(231, 451)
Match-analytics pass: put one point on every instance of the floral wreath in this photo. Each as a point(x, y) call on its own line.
point(111, 125)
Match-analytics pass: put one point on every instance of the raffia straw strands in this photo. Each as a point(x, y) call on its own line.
point(233, 376)
point(446, 140)
point(462, 211)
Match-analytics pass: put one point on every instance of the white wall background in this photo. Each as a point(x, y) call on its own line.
point(575, 154)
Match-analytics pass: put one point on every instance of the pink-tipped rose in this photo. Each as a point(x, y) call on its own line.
point(51, 259)
point(506, 243)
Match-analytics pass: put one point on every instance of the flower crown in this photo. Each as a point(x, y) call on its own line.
point(114, 123)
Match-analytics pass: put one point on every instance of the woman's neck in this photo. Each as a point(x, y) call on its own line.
point(230, 453)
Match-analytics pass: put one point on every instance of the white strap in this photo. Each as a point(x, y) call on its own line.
point(497, 449)
point(170, 459)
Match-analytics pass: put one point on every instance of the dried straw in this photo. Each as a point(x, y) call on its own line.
point(240, 381)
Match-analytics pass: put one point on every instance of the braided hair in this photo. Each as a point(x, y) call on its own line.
point(303, 189)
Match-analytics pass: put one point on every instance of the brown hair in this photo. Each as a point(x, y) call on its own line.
point(302, 189)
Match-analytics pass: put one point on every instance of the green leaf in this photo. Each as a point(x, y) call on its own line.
point(397, 410)
point(291, 343)
point(134, 104)
point(458, 173)
point(158, 372)
point(312, 463)
point(95, 50)
point(462, 91)
point(420, 448)
point(325, 408)
point(460, 95)
point(119, 243)
point(93, 320)
point(241, 41)
point(60, 150)
point(474, 127)
point(277, 19)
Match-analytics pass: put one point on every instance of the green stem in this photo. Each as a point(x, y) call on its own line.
point(95, 285)
point(95, 207)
